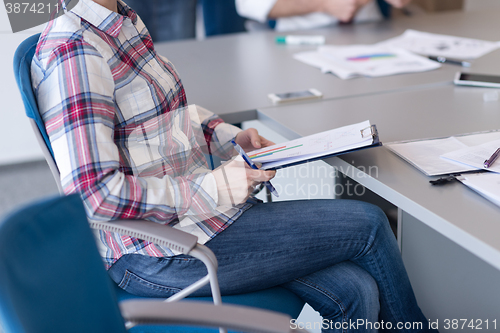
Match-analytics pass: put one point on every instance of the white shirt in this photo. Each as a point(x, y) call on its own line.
point(258, 10)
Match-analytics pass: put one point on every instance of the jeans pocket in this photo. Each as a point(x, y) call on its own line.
point(136, 285)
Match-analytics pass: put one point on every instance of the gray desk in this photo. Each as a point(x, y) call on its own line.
point(450, 235)
point(236, 72)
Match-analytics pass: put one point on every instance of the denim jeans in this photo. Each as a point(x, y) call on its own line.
point(167, 19)
point(340, 256)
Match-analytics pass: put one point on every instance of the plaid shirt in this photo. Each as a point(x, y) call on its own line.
point(122, 133)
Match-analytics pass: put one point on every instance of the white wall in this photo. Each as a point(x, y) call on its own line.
point(17, 142)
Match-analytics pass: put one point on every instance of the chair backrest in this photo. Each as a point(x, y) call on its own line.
point(52, 278)
point(22, 71)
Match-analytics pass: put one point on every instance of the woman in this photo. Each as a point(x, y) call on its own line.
point(125, 138)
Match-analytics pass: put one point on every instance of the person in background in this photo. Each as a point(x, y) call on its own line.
point(284, 15)
point(169, 20)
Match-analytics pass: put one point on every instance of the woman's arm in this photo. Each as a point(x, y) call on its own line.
point(76, 99)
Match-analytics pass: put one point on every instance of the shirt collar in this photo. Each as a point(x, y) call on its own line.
point(104, 19)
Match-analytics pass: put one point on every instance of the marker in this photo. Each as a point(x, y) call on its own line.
point(301, 40)
point(444, 60)
point(492, 159)
point(247, 159)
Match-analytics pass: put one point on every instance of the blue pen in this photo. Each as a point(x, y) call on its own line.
point(247, 159)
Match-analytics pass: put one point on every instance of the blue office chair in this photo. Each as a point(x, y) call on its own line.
point(52, 279)
point(277, 299)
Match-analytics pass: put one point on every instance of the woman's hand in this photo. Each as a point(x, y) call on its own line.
point(250, 139)
point(236, 181)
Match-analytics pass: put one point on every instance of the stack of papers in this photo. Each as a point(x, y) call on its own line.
point(455, 154)
point(425, 155)
point(486, 184)
point(476, 155)
point(394, 56)
point(365, 60)
point(442, 45)
point(308, 148)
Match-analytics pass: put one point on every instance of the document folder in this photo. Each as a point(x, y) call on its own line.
point(318, 146)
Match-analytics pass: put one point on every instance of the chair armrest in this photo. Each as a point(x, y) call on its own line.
point(152, 232)
point(233, 317)
point(174, 239)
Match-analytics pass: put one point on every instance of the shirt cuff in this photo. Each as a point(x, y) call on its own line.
point(257, 10)
point(224, 133)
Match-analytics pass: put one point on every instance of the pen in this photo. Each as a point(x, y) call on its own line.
point(492, 159)
point(444, 60)
point(301, 40)
point(247, 159)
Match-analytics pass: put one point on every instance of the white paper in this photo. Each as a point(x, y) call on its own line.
point(487, 184)
point(425, 155)
point(326, 65)
point(441, 45)
point(476, 155)
point(316, 145)
point(365, 60)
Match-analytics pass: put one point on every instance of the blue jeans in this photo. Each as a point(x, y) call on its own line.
point(167, 19)
point(340, 256)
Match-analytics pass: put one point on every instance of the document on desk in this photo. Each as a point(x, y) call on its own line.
point(476, 155)
point(426, 155)
point(365, 60)
point(486, 184)
point(317, 146)
point(430, 44)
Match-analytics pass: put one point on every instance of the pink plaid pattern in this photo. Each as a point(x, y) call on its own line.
point(118, 120)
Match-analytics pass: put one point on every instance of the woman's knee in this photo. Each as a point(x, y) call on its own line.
point(341, 292)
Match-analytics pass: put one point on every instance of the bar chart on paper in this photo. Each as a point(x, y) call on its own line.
point(368, 57)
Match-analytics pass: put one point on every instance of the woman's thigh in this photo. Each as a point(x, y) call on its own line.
point(270, 244)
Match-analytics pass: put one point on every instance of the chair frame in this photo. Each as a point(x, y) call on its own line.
point(152, 232)
point(36, 228)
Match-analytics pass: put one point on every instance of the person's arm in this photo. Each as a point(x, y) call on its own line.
point(344, 10)
point(398, 3)
point(286, 8)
